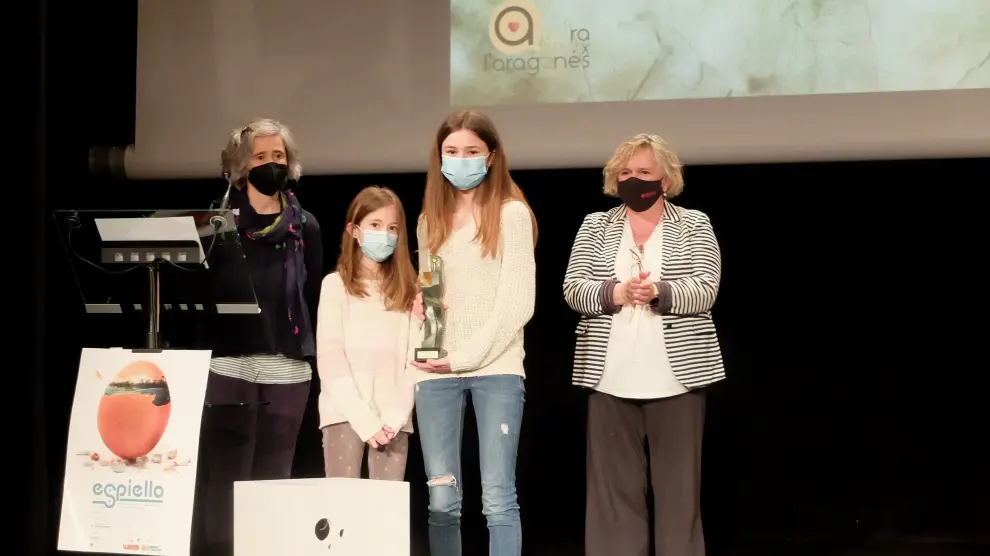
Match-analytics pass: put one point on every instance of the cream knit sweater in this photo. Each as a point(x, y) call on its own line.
point(488, 300)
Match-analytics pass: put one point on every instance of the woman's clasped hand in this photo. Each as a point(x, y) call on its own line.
point(638, 290)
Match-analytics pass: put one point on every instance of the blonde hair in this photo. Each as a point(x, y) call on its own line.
point(666, 159)
point(236, 157)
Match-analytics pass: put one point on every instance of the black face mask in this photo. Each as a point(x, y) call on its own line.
point(640, 195)
point(269, 178)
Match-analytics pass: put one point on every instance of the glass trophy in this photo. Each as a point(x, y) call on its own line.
point(431, 283)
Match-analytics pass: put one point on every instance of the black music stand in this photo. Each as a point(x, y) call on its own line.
point(150, 266)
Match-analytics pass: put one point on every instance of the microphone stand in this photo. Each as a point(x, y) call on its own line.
point(219, 221)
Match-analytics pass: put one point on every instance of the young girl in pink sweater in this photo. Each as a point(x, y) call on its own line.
point(365, 338)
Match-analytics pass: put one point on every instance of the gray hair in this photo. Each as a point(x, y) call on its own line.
point(236, 157)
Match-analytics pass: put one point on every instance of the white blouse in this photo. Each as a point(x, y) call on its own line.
point(636, 364)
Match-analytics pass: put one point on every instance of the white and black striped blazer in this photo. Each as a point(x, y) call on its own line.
point(692, 266)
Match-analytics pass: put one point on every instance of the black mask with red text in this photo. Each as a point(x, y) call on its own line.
point(269, 178)
point(640, 195)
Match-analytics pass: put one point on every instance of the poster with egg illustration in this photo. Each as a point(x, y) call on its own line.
point(132, 452)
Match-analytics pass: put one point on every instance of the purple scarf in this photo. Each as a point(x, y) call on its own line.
point(286, 234)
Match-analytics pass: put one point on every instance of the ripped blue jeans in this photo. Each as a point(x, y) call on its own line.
point(498, 407)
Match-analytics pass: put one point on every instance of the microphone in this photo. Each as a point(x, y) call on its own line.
point(219, 221)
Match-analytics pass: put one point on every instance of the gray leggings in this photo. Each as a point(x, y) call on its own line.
point(343, 453)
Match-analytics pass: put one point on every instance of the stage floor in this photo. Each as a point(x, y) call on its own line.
point(796, 549)
point(914, 550)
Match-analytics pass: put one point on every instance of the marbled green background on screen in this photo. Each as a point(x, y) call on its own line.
point(615, 50)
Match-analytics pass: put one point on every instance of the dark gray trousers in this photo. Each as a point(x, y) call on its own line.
point(250, 442)
point(621, 433)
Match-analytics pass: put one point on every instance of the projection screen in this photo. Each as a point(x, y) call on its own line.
point(365, 83)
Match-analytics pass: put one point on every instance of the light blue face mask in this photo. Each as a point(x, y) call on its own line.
point(378, 245)
point(464, 173)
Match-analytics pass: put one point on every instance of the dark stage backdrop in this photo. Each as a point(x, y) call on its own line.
point(847, 314)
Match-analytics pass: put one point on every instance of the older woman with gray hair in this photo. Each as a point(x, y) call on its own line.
point(261, 369)
point(644, 276)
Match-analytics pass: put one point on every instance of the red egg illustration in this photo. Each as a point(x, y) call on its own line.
point(134, 410)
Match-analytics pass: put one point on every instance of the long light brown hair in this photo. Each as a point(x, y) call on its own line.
point(397, 276)
point(497, 189)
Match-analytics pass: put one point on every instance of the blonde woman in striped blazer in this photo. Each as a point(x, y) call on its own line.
point(644, 277)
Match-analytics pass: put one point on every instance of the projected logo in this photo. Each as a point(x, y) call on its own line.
point(516, 31)
point(515, 27)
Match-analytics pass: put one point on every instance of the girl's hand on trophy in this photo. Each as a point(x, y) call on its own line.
point(417, 308)
point(440, 366)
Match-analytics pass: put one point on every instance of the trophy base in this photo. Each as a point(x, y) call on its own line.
point(423, 355)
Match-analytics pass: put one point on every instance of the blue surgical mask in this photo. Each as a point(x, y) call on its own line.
point(378, 245)
point(464, 173)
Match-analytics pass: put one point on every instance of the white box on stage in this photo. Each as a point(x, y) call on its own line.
point(337, 517)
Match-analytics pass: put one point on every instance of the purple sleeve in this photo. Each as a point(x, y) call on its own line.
point(661, 305)
point(608, 302)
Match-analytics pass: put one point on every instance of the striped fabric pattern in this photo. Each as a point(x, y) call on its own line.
point(263, 369)
point(692, 265)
